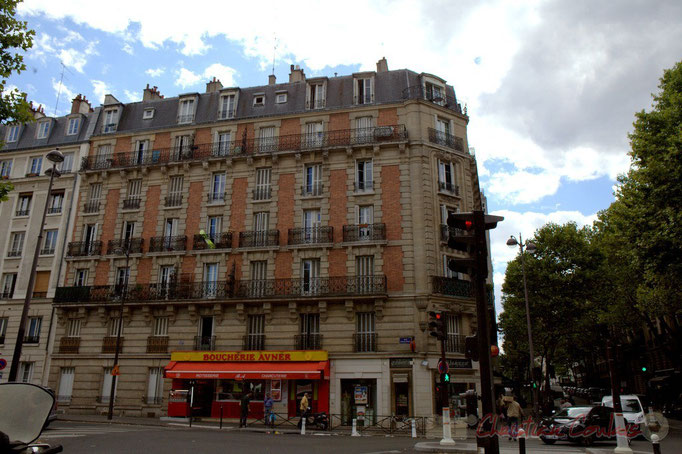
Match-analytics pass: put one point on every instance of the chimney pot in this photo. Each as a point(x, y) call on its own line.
point(272, 79)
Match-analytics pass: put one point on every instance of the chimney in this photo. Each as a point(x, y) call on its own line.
point(37, 112)
point(81, 105)
point(296, 75)
point(151, 94)
point(272, 79)
point(382, 65)
point(213, 85)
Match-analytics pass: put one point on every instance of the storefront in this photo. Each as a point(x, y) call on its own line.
point(209, 381)
point(462, 388)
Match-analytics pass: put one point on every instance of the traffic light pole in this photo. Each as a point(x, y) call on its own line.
point(621, 432)
point(445, 396)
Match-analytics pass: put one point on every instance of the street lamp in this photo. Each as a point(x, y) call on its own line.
point(55, 157)
point(124, 293)
point(530, 246)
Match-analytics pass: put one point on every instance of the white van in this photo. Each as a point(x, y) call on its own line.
point(632, 407)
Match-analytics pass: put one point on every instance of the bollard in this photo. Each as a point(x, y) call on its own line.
point(656, 443)
point(522, 441)
point(414, 428)
point(221, 416)
point(303, 425)
point(355, 433)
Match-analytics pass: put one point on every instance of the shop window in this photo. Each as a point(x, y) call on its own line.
point(358, 401)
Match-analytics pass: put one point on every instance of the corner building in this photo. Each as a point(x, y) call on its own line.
point(324, 200)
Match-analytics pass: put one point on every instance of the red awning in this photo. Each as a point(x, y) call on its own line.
point(245, 370)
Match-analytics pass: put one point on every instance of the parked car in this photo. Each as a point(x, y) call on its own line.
point(631, 405)
point(583, 425)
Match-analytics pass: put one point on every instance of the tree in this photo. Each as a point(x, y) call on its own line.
point(15, 36)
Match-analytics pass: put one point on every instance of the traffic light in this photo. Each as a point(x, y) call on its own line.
point(437, 325)
point(462, 237)
point(446, 378)
point(643, 368)
point(471, 348)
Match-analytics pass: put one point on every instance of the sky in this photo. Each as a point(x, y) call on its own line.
point(551, 86)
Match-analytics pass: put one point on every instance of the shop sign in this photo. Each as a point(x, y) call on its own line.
point(400, 363)
point(459, 363)
point(360, 395)
point(400, 378)
point(252, 356)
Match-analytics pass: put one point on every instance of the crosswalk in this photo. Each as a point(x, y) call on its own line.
point(78, 431)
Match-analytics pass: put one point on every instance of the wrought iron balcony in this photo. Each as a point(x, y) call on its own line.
point(14, 253)
point(454, 343)
point(54, 210)
point(316, 286)
point(254, 342)
point(364, 232)
point(204, 343)
point(69, 345)
point(365, 342)
point(262, 193)
point(311, 235)
point(216, 197)
point(446, 140)
point(135, 245)
point(167, 243)
point(419, 92)
point(84, 249)
point(259, 238)
point(131, 203)
point(157, 344)
point(173, 200)
point(145, 292)
point(220, 240)
point(312, 189)
point(364, 186)
point(22, 212)
point(448, 187)
point(451, 286)
point(308, 342)
point(109, 344)
point(91, 206)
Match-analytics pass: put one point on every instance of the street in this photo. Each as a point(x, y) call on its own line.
point(83, 437)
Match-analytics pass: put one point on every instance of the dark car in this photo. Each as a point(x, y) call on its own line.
point(583, 425)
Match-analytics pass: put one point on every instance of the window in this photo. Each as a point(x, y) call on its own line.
point(50, 243)
point(227, 106)
point(363, 91)
point(312, 176)
point(267, 142)
point(134, 189)
point(166, 277)
point(259, 100)
point(8, 282)
point(66, 166)
point(262, 191)
point(72, 128)
point(110, 120)
point(155, 385)
point(311, 224)
point(310, 332)
point(3, 329)
point(363, 175)
point(453, 328)
point(140, 152)
point(89, 237)
point(66, 376)
point(81, 278)
point(259, 273)
point(13, 133)
point(261, 221)
point(24, 205)
point(447, 272)
point(446, 177)
point(43, 129)
point(183, 147)
point(94, 192)
point(74, 328)
point(160, 327)
point(443, 132)
point(214, 227)
point(33, 330)
point(106, 385)
point(128, 232)
point(36, 165)
point(281, 98)
point(314, 137)
point(435, 93)
point(148, 114)
point(16, 244)
point(217, 188)
point(122, 275)
point(25, 372)
point(222, 147)
point(5, 169)
point(210, 280)
point(310, 273)
point(114, 325)
point(170, 228)
point(54, 205)
point(255, 338)
point(316, 98)
point(365, 337)
point(364, 271)
point(365, 221)
point(103, 157)
point(174, 197)
point(186, 111)
point(363, 130)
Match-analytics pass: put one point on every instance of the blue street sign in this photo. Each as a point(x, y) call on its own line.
point(405, 340)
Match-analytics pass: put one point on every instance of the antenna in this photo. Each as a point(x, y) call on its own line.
point(59, 91)
point(274, 51)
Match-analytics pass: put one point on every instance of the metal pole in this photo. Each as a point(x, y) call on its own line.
point(621, 434)
point(16, 357)
point(118, 332)
point(534, 392)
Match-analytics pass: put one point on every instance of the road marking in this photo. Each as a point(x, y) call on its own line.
point(84, 431)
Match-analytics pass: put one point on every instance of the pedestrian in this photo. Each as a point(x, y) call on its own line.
point(246, 399)
point(304, 407)
point(267, 405)
point(514, 415)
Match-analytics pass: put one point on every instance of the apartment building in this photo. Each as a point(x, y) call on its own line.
point(322, 203)
point(23, 164)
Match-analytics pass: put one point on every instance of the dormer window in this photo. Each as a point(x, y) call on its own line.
point(186, 111)
point(315, 96)
point(227, 106)
point(13, 133)
point(43, 129)
point(281, 97)
point(364, 90)
point(259, 99)
point(434, 93)
point(110, 120)
point(74, 124)
point(148, 114)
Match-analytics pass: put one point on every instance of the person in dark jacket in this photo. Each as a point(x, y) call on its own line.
point(246, 399)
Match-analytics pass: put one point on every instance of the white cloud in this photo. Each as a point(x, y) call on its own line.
point(100, 88)
point(131, 96)
point(225, 74)
point(73, 58)
point(186, 78)
point(155, 72)
point(64, 105)
point(127, 48)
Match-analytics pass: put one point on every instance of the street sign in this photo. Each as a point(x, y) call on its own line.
point(443, 366)
point(3, 363)
point(405, 340)
point(115, 370)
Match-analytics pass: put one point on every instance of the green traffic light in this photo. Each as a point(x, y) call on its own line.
point(643, 368)
point(446, 378)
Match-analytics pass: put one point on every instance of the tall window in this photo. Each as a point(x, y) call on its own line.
point(25, 371)
point(255, 337)
point(67, 165)
point(363, 129)
point(166, 278)
point(141, 149)
point(114, 326)
point(435, 93)
point(365, 220)
point(43, 129)
point(310, 273)
point(66, 376)
point(446, 177)
point(186, 111)
point(89, 238)
point(314, 137)
point(72, 128)
point(364, 272)
point(263, 188)
point(218, 188)
point(3, 329)
point(106, 385)
point(259, 274)
point(223, 144)
point(453, 328)
point(363, 91)
point(128, 232)
point(312, 184)
point(73, 328)
point(316, 98)
point(132, 200)
point(227, 106)
point(365, 337)
point(160, 327)
point(122, 276)
point(267, 140)
point(183, 147)
point(103, 157)
point(311, 224)
point(55, 203)
point(36, 165)
point(24, 205)
point(443, 126)
point(261, 222)
point(214, 227)
point(174, 191)
point(170, 229)
point(16, 244)
point(9, 280)
point(33, 330)
point(50, 243)
point(110, 120)
point(363, 175)
point(13, 133)
point(155, 385)
point(310, 332)
point(210, 280)
point(81, 277)
point(5, 169)
point(94, 192)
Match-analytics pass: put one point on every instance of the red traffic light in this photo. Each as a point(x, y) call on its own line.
point(439, 315)
point(494, 350)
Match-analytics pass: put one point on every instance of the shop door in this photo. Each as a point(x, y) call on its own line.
point(204, 391)
point(401, 403)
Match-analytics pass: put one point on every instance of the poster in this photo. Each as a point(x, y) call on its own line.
point(360, 395)
point(276, 390)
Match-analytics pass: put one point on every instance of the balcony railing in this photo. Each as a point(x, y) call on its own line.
point(167, 243)
point(293, 142)
point(365, 342)
point(216, 197)
point(262, 193)
point(54, 210)
point(7, 294)
point(186, 118)
point(311, 189)
point(311, 235)
point(221, 241)
point(157, 344)
point(47, 251)
point(448, 187)
point(173, 200)
point(84, 249)
point(131, 203)
point(308, 342)
point(91, 206)
point(39, 294)
point(259, 238)
point(31, 339)
point(446, 140)
point(419, 92)
point(69, 345)
point(204, 343)
point(445, 232)
point(22, 212)
point(454, 343)
point(452, 287)
point(109, 344)
point(257, 288)
point(364, 232)
point(121, 245)
point(14, 253)
point(364, 186)
point(254, 342)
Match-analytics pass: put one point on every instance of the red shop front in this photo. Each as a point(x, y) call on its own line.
point(209, 381)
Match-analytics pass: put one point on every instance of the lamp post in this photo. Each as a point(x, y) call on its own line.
point(530, 246)
point(124, 293)
point(55, 157)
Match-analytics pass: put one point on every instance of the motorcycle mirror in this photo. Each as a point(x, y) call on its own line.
point(24, 410)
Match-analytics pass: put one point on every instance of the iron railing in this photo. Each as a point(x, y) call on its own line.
point(262, 193)
point(293, 142)
point(311, 235)
point(364, 232)
point(109, 344)
point(448, 187)
point(47, 251)
point(259, 238)
point(254, 342)
point(69, 345)
point(451, 286)
point(365, 342)
point(363, 186)
point(167, 243)
point(22, 212)
point(54, 210)
point(446, 140)
point(312, 189)
point(204, 343)
point(308, 341)
point(131, 203)
point(14, 253)
point(186, 118)
point(454, 343)
point(419, 92)
point(220, 240)
point(316, 286)
point(173, 200)
point(133, 244)
point(216, 197)
point(31, 339)
point(91, 206)
point(84, 249)
point(157, 344)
